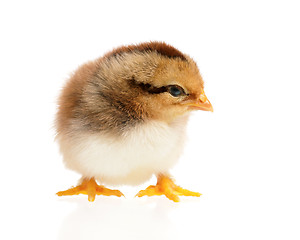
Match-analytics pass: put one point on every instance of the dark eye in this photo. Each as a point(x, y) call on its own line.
point(176, 91)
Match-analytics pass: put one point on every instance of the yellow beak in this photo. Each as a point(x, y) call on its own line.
point(202, 103)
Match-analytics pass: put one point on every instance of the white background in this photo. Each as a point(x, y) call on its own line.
point(244, 157)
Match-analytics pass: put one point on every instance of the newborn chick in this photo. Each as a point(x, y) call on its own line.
point(122, 118)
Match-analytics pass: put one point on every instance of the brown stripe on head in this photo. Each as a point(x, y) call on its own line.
point(159, 47)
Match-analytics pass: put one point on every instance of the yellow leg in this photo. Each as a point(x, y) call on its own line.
point(166, 186)
point(90, 188)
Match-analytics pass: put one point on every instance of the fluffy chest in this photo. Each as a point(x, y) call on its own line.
point(147, 149)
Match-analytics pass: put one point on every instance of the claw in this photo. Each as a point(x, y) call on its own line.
point(90, 188)
point(166, 186)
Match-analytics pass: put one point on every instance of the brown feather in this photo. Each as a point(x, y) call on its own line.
point(125, 87)
point(160, 47)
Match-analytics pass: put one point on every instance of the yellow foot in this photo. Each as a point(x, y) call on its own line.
point(90, 188)
point(166, 186)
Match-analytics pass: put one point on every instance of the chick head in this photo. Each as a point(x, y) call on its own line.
point(132, 84)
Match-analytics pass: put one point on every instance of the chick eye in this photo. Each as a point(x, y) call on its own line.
point(176, 91)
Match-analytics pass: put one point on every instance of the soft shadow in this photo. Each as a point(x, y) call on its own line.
point(119, 218)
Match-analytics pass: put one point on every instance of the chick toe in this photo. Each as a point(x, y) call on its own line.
point(166, 186)
point(90, 188)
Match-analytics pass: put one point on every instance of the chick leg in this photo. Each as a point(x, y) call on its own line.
point(166, 186)
point(90, 188)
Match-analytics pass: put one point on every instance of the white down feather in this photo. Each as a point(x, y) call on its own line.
point(150, 148)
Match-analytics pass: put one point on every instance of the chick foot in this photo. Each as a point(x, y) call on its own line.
point(90, 188)
point(166, 186)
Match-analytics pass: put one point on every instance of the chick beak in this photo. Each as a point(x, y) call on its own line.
point(202, 103)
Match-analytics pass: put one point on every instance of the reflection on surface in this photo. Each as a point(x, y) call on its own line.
point(119, 218)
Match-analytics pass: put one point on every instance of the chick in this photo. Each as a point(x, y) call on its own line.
point(121, 119)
